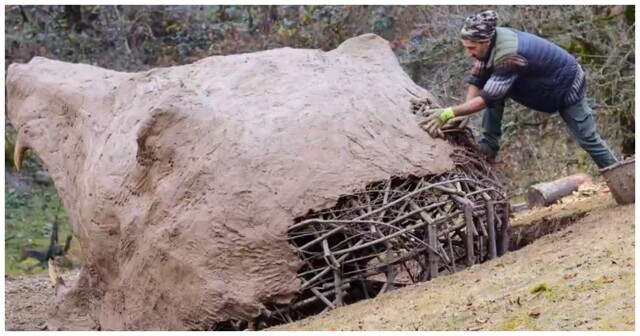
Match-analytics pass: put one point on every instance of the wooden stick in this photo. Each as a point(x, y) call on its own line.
point(385, 199)
point(480, 223)
point(362, 283)
point(413, 280)
point(504, 245)
point(423, 214)
point(390, 276)
point(336, 272)
point(449, 190)
point(315, 298)
point(446, 260)
point(469, 220)
point(433, 261)
point(481, 258)
point(337, 283)
point(326, 270)
point(321, 238)
point(323, 298)
point(491, 225)
point(453, 257)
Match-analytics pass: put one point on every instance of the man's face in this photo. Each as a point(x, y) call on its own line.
point(476, 49)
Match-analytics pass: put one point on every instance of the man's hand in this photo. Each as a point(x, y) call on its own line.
point(457, 122)
point(436, 120)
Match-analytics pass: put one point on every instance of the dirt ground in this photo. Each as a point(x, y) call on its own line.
point(579, 278)
point(27, 300)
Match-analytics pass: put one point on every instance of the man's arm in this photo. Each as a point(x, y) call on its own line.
point(500, 82)
point(474, 102)
point(472, 92)
point(469, 107)
point(493, 89)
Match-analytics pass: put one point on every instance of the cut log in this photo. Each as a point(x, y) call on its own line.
point(548, 193)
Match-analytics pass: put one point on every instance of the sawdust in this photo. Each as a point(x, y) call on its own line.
point(181, 182)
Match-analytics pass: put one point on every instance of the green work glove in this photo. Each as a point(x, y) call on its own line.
point(434, 122)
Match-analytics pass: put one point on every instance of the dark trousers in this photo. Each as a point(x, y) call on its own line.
point(578, 118)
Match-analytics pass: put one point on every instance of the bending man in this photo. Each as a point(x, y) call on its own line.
point(528, 69)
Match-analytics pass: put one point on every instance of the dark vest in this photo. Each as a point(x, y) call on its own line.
point(550, 72)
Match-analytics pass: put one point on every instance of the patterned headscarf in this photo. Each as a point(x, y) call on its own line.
point(480, 26)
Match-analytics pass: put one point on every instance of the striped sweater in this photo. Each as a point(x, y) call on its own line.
point(530, 70)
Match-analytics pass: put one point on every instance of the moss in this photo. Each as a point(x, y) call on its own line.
point(543, 287)
point(517, 321)
point(508, 325)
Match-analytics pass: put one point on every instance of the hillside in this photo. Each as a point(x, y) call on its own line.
point(579, 278)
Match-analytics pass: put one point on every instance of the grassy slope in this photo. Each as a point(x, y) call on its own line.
point(584, 275)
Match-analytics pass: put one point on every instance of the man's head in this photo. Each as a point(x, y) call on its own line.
point(477, 32)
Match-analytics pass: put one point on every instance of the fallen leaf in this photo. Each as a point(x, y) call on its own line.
point(597, 318)
point(475, 328)
point(605, 279)
point(570, 276)
point(518, 301)
point(534, 314)
point(481, 321)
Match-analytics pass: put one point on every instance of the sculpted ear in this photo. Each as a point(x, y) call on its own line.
point(149, 130)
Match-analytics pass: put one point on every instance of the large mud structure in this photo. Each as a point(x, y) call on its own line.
point(182, 183)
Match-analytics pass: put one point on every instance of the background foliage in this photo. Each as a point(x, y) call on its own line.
point(536, 146)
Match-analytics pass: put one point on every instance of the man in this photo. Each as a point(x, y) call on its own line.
point(528, 69)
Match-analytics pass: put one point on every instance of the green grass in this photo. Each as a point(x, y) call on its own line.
point(29, 221)
point(540, 288)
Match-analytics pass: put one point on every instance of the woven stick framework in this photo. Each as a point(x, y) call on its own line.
point(401, 231)
point(398, 232)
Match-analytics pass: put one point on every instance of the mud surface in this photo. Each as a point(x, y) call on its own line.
point(181, 182)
